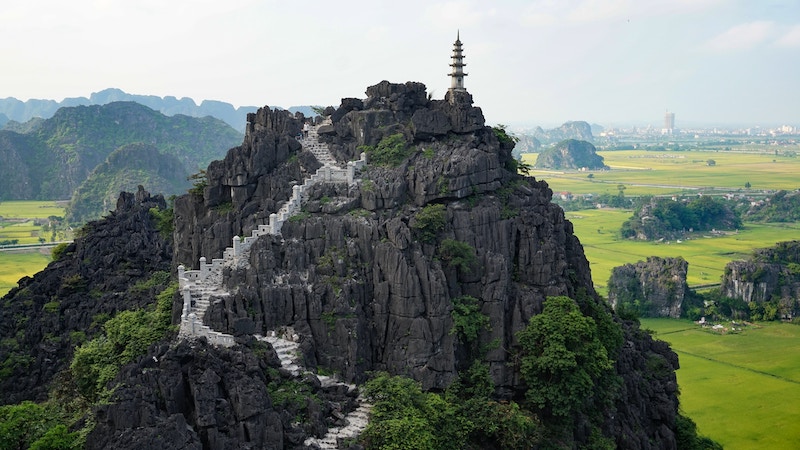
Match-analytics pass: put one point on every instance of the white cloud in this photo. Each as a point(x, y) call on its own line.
point(791, 39)
point(742, 37)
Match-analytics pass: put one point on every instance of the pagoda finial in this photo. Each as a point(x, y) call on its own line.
point(457, 75)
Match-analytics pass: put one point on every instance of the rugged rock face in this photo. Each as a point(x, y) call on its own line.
point(195, 396)
point(46, 316)
point(570, 154)
point(365, 277)
point(653, 288)
point(771, 274)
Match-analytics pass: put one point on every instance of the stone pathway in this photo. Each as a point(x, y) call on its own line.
point(200, 287)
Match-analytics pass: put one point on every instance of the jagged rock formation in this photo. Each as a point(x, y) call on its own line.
point(46, 316)
point(365, 275)
point(570, 154)
point(357, 276)
point(578, 130)
point(770, 274)
point(653, 288)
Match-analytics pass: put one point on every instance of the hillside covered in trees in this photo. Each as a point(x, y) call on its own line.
point(51, 158)
point(664, 218)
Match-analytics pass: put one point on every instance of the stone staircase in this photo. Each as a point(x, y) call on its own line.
point(198, 287)
point(320, 150)
point(357, 422)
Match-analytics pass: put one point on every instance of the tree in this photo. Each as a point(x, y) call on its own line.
point(747, 185)
point(563, 359)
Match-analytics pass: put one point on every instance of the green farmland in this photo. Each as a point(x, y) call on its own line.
point(676, 172)
point(598, 229)
point(17, 224)
point(742, 389)
point(17, 264)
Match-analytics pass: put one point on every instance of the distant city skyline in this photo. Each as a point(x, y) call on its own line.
point(611, 62)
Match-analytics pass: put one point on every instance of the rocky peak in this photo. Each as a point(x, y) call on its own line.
point(653, 288)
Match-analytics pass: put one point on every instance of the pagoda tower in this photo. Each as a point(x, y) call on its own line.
point(457, 75)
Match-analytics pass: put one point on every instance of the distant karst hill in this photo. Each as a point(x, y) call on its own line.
point(570, 154)
point(17, 111)
point(578, 129)
point(126, 168)
point(52, 157)
point(22, 111)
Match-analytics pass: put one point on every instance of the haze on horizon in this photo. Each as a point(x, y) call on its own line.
point(544, 62)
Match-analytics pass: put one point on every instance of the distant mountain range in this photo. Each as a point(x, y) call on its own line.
point(51, 158)
point(12, 109)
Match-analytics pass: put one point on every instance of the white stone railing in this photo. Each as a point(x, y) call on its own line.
point(209, 275)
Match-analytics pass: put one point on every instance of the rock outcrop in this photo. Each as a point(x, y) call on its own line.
point(570, 154)
point(653, 288)
point(364, 277)
point(770, 274)
point(46, 316)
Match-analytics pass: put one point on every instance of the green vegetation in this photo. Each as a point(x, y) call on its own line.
point(164, 219)
point(457, 254)
point(429, 221)
point(740, 388)
point(32, 426)
point(125, 169)
point(570, 154)
point(390, 151)
point(783, 206)
point(665, 218)
point(404, 417)
point(502, 135)
point(468, 320)
point(564, 362)
point(126, 337)
point(199, 182)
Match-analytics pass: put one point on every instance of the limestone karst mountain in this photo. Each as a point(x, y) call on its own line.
point(52, 157)
point(358, 265)
point(570, 154)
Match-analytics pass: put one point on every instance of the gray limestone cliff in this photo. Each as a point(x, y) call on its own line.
point(653, 288)
point(367, 273)
point(770, 274)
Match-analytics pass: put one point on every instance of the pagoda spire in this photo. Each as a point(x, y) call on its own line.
point(457, 74)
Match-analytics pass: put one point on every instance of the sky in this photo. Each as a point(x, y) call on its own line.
point(534, 62)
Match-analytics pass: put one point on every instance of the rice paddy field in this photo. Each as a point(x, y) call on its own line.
point(598, 229)
point(17, 223)
point(686, 172)
point(742, 388)
point(677, 172)
point(17, 264)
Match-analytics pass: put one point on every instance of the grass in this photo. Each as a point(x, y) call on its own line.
point(31, 209)
point(598, 229)
point(743, 389)
point(17, 264)
point(676, 172)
